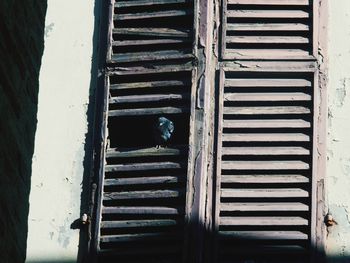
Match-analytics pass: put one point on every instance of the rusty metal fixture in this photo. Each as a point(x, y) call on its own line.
point(85, 219)
point(329, 220)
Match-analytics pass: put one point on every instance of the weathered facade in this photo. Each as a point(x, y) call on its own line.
point(230, 186)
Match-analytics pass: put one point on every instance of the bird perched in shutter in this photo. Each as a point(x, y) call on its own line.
point(163, 130)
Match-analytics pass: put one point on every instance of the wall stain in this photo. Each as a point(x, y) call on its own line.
point(48, 29)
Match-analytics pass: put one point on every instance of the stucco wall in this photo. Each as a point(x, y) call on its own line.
point(58, 168)
point(338, 139)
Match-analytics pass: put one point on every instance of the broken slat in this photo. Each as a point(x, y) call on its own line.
point(148, 98)
point(266, 110)
point(143, 166)
point(267, 14)
point(156, 14)
point(268, 2)
point(143, 180)
point(155, 55)
point(142, 210)
point(133, 3)
point(264, 193)
point(264, 221)
point(263, 235)
point(151, 84)
point(143, 152)
point(264, 165)
point(269, 66)
point(265, 179)
point(151, 194)
point(266, 40)
point(152, 31)
point(262, 123)
point(138, 223)
point(264, 206)
point(268, 27)
point(267, 53)
point(138, 237)
point(265, 82)
point(265, 151)
point(155, 69)
point(265, 137)
point(148, 111)
point(267, 96)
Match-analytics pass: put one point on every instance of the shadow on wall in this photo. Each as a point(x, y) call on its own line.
point(21, 47)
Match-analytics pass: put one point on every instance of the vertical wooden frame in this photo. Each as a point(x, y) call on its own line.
point(223, 29)
point(110, 31)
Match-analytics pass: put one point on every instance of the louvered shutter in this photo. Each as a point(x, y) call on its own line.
point(264, 180)
point(142, 189)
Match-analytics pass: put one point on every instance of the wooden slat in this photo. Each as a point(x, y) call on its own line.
point(264, 235)
point(263, 221)
point(268, 2)
point(265, 151)
point(151, 194)
point(267, 96)
point(152, 31)
point(150, 84)
point(144, 251)
point(265, 137)
point(267, 14)
point(266, 40)
point(143, 152)
point(267, 27)
point(155, 55)
point(146, 42)
point(142, 210)
point(266, 110)
point(266, 82)
point(264, 193)
point(143, 180)
point(264, 206)
point(148, 111)
point(261, 250)
point(265, 178)
point(267, 53)
point(133, 3)
point(269, 66)
point(138, 237)
point(264, 165)
point(143, 166)
point(148, 98)
point(138, 223)
point(155, 69)
point(262, 123)
point(156, 14)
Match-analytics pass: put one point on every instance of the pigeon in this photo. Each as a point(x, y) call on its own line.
point(163, 130)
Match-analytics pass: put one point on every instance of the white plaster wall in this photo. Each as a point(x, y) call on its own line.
point(62, 124)
point(338, 139)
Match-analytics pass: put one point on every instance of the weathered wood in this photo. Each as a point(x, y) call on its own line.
point(267, 14)
point(152, 31)
point(125, 251)
point(142, 210)
point(265, 137)
point(265, 151)
point(155, 55)
point(268, 53)
point(262, 250)
point(143, 152)
point(264, 221)
point(265, 82)
point(144, 180)
point(250, 207)
point(268, 96)
point(268, 2)
point(151, 84)
point(264, 193)
point(266, 40)
point(143, 166)
point(262, 123)
point(266, 110)
point(155, 14)
point(136, 70)
point(146, 42)
point(133, 3)
point(267, 27)
point(264, 165)
point(265, 178)
point(138, 223)
point(138, 237)
point(151, 194)
point(148, 98)
point(264, 235)
point(148, 111)
point(269, 66)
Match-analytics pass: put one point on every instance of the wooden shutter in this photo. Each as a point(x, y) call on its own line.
point(142, 189)
point(264, 180)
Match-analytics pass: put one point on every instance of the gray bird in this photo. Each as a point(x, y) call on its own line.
point(163, 130)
